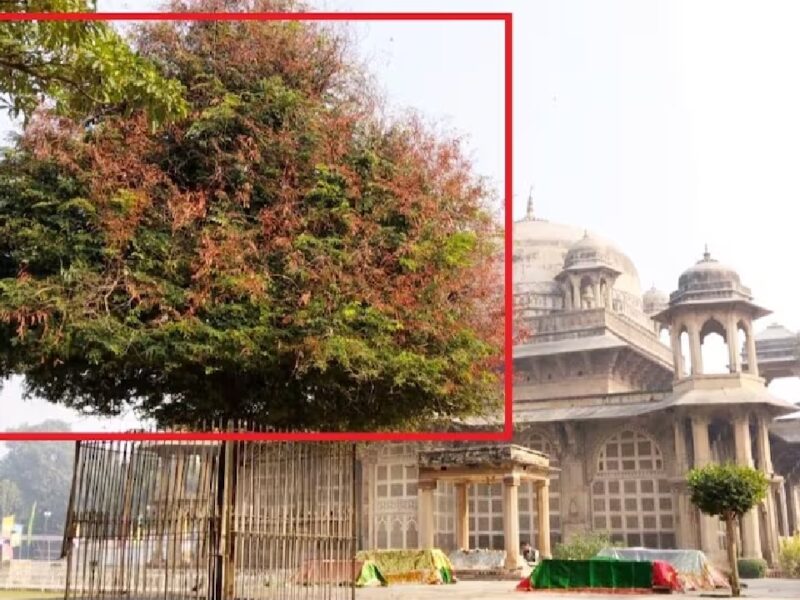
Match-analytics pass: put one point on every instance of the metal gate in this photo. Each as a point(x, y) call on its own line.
point(211, 520)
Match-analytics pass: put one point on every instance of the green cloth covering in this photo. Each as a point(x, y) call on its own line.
point(611, 574)
point(411, 566)
point(370, 575)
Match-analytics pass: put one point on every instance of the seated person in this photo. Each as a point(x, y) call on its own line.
point(528, 553)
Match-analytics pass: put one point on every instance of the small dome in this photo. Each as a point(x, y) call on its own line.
point(654, 300)
point(589, 253)
point(709, 281)
point(540, 249)
point(706, 273)
point(775, 332)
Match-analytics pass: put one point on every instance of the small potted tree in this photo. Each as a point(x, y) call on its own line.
point(727, 492)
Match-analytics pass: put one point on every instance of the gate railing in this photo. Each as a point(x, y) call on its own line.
point(214, 520)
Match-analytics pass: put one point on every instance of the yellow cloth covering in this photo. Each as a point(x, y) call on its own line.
point(411, 566)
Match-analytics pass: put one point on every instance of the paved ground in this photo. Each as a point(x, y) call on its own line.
point(504, 590)
point(763, 589)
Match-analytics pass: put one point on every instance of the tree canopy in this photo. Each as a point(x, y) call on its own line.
point(284, 254)
point(41, 473)
point(727, 491)
point(83, 67)
point(10, 498)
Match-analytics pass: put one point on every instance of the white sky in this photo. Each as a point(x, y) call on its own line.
point(660, 125)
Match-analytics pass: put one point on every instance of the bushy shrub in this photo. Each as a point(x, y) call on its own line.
point(789, 557)
point(752, 568)
point(583, 546)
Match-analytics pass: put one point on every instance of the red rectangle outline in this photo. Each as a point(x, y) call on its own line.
point(508, 428)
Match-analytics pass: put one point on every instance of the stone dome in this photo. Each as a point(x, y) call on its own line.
point(540, 251)
point(707, 271)
point(589, 253)
point(709, 280)
point(775, 332)
point(654, 300)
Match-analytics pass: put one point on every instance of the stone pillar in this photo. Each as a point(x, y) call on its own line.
point(576, 293)
point(762, 446)
point(752, 361)
point(795, 499)
point(598, 299)
point(702, 446)
point(543, 516)
point(697, 352)
point(462, 516)
point(681, 452)
point(764, 464)
point(734, 359)
point(791, 508)
point(680, 497)
point(677, 354)
point(511, 520)
point(425, 513)
point(751, 534)
point(709, 536)
point(684, 514)
point(784, 511)
point(742, 441)
point(566, 288)
point(771, 523)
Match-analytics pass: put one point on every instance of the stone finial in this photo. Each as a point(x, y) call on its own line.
point(706, 253)
point(529, 213)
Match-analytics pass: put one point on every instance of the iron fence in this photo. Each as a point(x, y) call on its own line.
point(216, 520)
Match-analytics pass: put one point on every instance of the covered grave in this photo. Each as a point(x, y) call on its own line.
point(476, 464)
point(600, 574)
point(387, 567)
point(695, 571)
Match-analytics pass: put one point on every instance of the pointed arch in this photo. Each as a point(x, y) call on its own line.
point(685, 350)
point(714, 347)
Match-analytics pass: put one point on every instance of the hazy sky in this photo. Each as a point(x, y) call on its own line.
point(660, 125)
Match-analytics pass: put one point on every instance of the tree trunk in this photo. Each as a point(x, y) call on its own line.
point(733, 559)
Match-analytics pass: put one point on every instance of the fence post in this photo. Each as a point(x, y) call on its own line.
point(355, 482)
point(227, 531)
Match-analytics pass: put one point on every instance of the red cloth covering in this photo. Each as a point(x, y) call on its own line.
point(665, 576)
point(525, 585)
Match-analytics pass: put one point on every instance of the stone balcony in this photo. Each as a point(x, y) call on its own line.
point(583, 324)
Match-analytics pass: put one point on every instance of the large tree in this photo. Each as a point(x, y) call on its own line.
point(284, 254)
point(41, 472)
point(82, 67)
